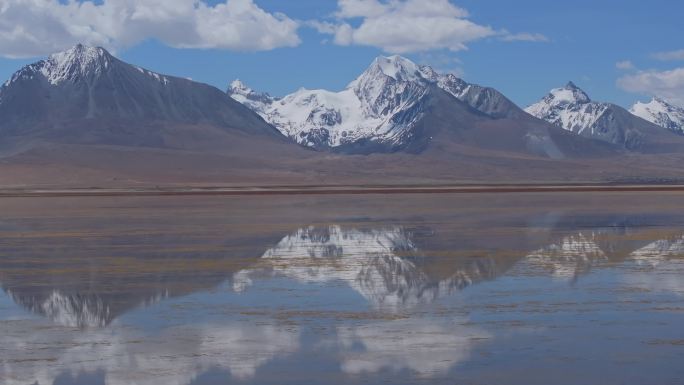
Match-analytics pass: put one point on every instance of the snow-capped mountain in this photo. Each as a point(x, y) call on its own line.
point(78, 63)
point(659, 111)
point(571, 108)
point(382, 106)
point(70, 89)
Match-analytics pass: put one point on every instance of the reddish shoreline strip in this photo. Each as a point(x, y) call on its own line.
point(335, 190)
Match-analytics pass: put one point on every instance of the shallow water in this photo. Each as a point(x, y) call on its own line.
point(405, 289)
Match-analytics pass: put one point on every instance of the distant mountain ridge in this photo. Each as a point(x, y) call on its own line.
point(572, 109)
point(661, 112)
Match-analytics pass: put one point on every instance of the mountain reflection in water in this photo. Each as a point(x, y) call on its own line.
point(577, 254)
point(383, 265)
point(424, 300)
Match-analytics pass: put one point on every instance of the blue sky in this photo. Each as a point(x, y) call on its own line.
point(579, 40)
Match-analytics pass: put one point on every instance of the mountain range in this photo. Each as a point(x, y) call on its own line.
point(383, 106)
point(396, 105)
point(89, 117)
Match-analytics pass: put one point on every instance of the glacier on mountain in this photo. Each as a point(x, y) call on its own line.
point(381, 106)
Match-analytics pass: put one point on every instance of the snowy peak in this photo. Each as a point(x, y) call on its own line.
point(399, 73)
point(571, 108)
point(570, 94)
point(662, 113)
point(78, 62)
point(400, 69)
point(257, 101)
point(240, 88)
point(396, 67)
point(572, 86)
point(388, 85)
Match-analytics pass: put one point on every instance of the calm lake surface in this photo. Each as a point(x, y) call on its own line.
point(576, 288)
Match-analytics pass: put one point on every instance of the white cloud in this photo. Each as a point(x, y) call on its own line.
point(38, 27)
point(405, 26)
point(410, 26)
point(624, 65)
point(670, 55)
point(342, 33)
point(525, 36)
point(667, 84)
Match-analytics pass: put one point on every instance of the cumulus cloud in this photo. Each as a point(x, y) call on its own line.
point(667, 84)
point(410, 26)
point(37, 27)
point(404, 26)
point(624, 65)
point(669, 55)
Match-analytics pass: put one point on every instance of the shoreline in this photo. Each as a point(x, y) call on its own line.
point(331, 190)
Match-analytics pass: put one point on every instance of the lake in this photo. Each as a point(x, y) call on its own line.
point(537, 288)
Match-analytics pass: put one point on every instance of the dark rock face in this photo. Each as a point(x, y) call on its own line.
point(328, 116)
point(318, 136)
point(486, 100)
point(490, 102)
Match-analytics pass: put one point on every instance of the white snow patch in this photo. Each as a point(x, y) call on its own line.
point(79, 61)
